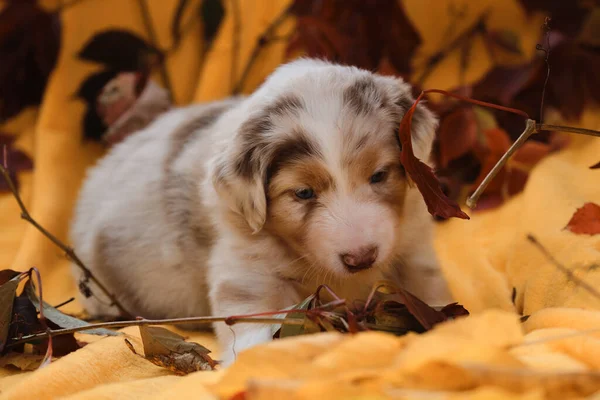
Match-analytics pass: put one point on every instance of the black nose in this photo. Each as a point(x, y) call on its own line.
point(360, 259)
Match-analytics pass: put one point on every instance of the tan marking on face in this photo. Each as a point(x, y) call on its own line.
point(382, 155)
point(287, 215)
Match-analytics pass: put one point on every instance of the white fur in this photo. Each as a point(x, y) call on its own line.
point(141, 258)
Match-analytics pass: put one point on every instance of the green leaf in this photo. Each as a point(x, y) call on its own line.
point(7, 296)
point(309, 326)
point(61, 319)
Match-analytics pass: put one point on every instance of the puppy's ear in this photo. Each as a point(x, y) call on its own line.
point(239, 175)
point(424, 122)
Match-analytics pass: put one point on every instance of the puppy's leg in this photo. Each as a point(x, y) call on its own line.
point(247, 295)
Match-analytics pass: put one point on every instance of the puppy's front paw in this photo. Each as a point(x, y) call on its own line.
point(240, 338)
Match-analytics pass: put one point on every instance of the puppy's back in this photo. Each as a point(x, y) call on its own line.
point(133, 210)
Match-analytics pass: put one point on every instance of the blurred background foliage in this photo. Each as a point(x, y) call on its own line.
point(482, 49)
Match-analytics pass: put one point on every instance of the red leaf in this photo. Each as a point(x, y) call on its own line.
point(586, 220)
point(457, 134)
point(29, 44)
point(426, 315)
point(454, 310)
point(437, 203)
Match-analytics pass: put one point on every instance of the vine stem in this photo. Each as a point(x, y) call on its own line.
point(68, 250)
point(257, 318)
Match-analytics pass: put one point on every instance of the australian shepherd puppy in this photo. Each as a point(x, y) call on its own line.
point(249, 204)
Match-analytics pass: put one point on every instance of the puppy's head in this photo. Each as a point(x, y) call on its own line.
point(316, 163)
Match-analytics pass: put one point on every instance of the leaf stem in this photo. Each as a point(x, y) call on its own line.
point(68, 250)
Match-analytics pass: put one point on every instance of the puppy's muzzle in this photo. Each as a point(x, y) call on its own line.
point(360, 259)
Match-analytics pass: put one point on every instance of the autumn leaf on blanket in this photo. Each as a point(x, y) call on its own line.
point(15, 159)
point(438, 204)
point(118, 51)
point(29, 43)
point(586, 220)
point(170, 350)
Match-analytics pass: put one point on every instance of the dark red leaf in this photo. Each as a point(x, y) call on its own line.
point(457, 134)
point(454, 310)
point(6, 275)
point(29, 44)
point(426, 315)
point(355, 32)
point(429, 186)
point(586, 220)
point(501, 84)
point(567, 16)
point(121, 50)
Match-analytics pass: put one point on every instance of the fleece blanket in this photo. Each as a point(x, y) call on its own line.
point(492, 269)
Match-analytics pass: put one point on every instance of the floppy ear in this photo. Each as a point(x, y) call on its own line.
point(424, 122)
point(239, 175)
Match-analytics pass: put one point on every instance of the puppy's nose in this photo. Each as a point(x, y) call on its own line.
point(360, 259)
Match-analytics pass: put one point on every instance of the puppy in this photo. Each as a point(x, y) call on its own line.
point(248, 204)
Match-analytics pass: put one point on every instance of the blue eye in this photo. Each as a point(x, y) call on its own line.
point(378, 177)
point(305, 194)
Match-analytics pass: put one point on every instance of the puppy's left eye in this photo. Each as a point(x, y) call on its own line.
point(378, 177)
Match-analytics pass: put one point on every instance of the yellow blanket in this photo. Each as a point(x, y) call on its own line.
point(490, 355)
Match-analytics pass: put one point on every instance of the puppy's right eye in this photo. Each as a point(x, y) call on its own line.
point(305, 194)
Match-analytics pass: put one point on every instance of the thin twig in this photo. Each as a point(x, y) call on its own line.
point(147, 18)
point(436, 58)
point(265, 38)
point(68, 250)
point(172, 321)
point(529, 130)
point(569, 129)
point(546, 51)
point(570, 275)
point(64, 303)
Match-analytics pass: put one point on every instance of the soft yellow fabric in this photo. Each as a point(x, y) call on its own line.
point(487, 356)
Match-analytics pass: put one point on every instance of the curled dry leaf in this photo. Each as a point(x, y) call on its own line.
point(170, 350)
point(438, 204)
point(586, 220)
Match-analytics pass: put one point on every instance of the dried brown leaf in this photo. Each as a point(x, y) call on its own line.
point(586, 220)
point(170, 350)
point(8, 291)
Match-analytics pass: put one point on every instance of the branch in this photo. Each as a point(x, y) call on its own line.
point(570, 275)
point(265, 38)
point(531, 128)
point(68, 251)
point(436, 58)
point(259, 318)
